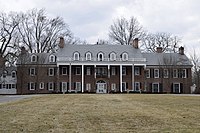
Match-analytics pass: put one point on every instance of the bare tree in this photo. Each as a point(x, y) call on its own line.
point(39, 33)
point(168, 42)
point(8, 37)
point(123, 31)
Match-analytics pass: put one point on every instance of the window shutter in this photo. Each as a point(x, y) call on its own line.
point(187, 73)
point(150, 85)
point(126, 85)
point(181, 87)
point(29, 86)
point(35, 86)
point(47, 86)
point(172, 88)
point(160, 87)
point(152, 73)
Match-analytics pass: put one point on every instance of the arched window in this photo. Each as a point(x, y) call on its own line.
point(33, 58)
point(76, 56)
point(13, 74)
point(52, 58)
point(88, 56)
point(100, 57)
point(124, 56)
point(112, 56)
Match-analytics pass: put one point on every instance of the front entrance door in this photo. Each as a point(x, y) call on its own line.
point(101, 87)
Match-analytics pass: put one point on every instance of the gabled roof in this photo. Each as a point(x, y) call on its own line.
point(166, 59)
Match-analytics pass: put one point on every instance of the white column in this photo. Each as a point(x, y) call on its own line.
point(70, 77)
point(133, 76)
point(108, 71)
point(120, 77)
point(95, 75)
point(82, 79)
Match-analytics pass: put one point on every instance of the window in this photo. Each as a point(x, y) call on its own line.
point(147, 73)
point(166, 73)
point(124, 56)
point(88, 71)
point(101, 71)
point(112, 56)
point(137, 86)
point(175, 73)
point(51, 71)
point(64, 86)
point(137, 71)
point(13, 74)
point(88, 87)
point(113, 86)
point(100, 57)
point(124, 86)
point(183, 73)
point(88, 56)
point(32, 71)
point(4, 74)
point(64, 70)
point(76, 56)
point(113, 71)
point(3, 86)
point(78, 71)
point(31, 86)
point(156, 73)
point(78, 86)
point(52, 58)
point(13, 86)
point(155, 87)
point(176, 88)
point(123, 70)
point(51, 86)
point(33, 58)
point(42, 85)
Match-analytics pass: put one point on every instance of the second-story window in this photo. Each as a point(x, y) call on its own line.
point(156, 73)
point(88, 56)
point(137, 71)
point(51, 71)
point(13, 74)
point(4, 74)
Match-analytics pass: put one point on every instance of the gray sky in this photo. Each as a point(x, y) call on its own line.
point(90, 19)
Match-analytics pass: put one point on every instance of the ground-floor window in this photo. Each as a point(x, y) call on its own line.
point(31, 86)
point(88, 86)
point(113, 86)
point(78, 86)
point(7, 86)
point(176, 88)
point(64, 86)
point(51, 86)
point(137, 86)
point(124, 86)
point(155, 87)
point(42, 85)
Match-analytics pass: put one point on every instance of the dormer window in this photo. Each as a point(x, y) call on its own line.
point(52, 58)
point(76, 56)
point(100, 57)
point(124, 56)
point(13, 74)
point(88, 56)
point(4, 74)
point(112, 56)
point(33, 58)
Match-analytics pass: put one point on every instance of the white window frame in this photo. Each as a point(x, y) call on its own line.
point(32, 70)
point(88, 56)
point(124, 57)
point(113, 86)
point(4, 74)
point(13, 86)
point(112, 56)
point(51, 74)
point(41, 85)
point(184, 73)
point(158, 73)
point(166, 73)
point(76, 56)
point(33, 58)
point(148, 73)
point(64, 86)
point(31, 86)
point(100, 57)
point(88, 86)
point(78, 86)
point(88, 71)
point(137, 71)
point(137, 84)
point(113, 71)
point(123, 70)
point(179, 89)
point(124, 85)
point(52, 58)
point(51, 86)
point(76, 70)
point(154, 89)
point(13, 74)
point(62, 70)
point(175, 73)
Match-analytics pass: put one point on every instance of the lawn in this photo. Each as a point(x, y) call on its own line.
point(117, 113)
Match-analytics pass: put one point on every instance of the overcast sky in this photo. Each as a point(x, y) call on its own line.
point(90, 19)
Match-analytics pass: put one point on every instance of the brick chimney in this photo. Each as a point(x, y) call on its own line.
point(61, 42)
point(135, 43)
point(181, 50)
point(159, 49)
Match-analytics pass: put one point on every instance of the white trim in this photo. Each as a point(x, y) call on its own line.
point(52, 58)
point(153, 87)
point(30, 86)
point(100, 56)
point(175, 73)
point(88, 86)
point(88, 56)
point(49, 86)
point(179, 87)
point(125, 87)
point(156, 76)
point(64, 87)
point(120, 78)
point(76, 70)
point(149, 73)
point(76, 56)
point(124, 70)
point(62, 70)
point(30, 72)
point(138, 86)
point(112, 56)
point(41, 85)
point(133, 76)
point(113, 86)
point(33, 57)
point(77, 85)
point(125, 57)
point(167, 73)
point(82, 79)
point(138, 70)
point(184, 71)
point(51, 74)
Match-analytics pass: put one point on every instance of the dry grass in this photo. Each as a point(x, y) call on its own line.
point(102, 113)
